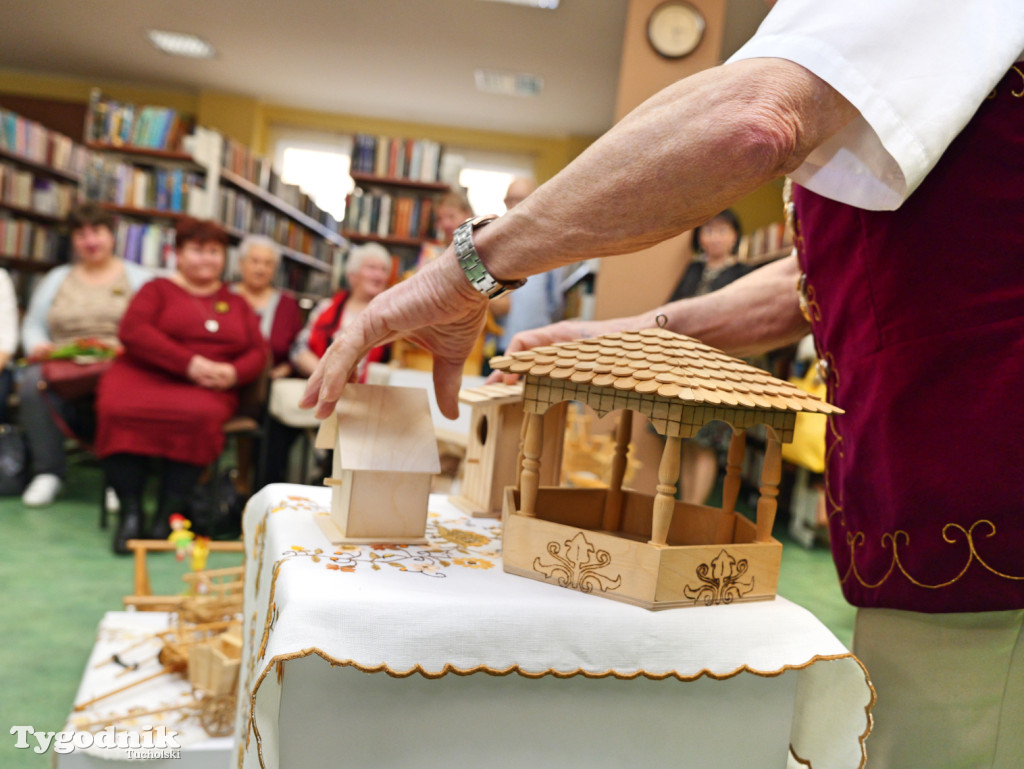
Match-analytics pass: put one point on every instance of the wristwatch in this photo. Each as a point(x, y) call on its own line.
point(469, 260)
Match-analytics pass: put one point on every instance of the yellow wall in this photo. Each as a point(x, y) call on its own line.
point(250, 121)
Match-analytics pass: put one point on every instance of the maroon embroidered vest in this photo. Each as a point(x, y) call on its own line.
point(919, 314)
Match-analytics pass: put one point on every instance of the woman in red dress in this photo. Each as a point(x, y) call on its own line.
point(189, 343)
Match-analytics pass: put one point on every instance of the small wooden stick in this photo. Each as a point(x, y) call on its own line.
point(111, 721)
point(82, 706)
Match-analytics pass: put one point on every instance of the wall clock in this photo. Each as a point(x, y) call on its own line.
point(675, 29)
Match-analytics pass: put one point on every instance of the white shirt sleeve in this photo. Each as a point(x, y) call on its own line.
point(916, 70)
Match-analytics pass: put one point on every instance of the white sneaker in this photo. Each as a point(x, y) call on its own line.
point(42, 490)
point(111, 502)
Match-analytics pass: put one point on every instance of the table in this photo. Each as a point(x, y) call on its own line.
point(432, 656)
point(130, 635)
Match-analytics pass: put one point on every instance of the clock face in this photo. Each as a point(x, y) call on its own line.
point(675, 29)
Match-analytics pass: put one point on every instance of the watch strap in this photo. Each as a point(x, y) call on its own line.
point(469, 260)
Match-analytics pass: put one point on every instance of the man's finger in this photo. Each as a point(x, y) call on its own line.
point(447, 383)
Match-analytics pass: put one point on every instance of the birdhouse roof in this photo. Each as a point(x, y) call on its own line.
point(496, 393)
point(659, 363)
point(382, 428)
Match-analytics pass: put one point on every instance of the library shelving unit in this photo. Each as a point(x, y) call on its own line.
point(396, 187)
point(40, 173)
point(206, 175)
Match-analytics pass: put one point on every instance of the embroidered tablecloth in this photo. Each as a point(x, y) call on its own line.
point(447, 612)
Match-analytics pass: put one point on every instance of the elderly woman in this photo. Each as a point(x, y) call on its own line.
point(189, 343)
point(279, 313)
point(367, 271)
point(83, 299)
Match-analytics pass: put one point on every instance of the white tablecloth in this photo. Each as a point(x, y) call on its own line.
point(320, 617)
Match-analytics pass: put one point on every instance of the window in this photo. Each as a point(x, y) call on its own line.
point(484, 175)
point(318, 163)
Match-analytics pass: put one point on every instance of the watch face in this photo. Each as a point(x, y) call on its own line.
point(675, 29)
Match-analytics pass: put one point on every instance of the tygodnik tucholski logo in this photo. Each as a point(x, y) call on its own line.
point(144, 743)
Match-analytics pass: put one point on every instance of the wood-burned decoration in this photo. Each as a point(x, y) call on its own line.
point(723, 581)
point(665, 553)
point(385, 453)
point(577, 565)
point(492, 451)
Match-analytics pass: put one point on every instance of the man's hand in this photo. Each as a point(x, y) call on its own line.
point(437, 309)
point(563, 331)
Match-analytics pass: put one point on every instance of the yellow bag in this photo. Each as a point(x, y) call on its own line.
point(808, 446)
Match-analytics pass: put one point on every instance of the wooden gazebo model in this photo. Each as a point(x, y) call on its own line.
point(655, 552)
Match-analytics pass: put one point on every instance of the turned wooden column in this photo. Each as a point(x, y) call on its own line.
point(519, 453)
point(613, 500)
point(665, 499)
point(771, 473)
point(733, 468)
point(529, 478)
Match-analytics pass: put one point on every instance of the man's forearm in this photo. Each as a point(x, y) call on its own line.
point(755, 314)
point(684, 155)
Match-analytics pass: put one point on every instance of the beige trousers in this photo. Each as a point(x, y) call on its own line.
point(950, 688)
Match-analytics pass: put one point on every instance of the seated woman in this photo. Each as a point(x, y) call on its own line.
point(84, 299)
point(189, 343)
point(8, 338)
point(367, 271)
point(715, 264)
point(279, 313)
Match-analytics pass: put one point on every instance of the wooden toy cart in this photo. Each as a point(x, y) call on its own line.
point(652, 551)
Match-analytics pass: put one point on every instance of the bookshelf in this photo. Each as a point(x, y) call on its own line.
point(152, 176)
point(397, 182)
point(40, 173)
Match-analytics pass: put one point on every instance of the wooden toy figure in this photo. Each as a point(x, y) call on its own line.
point(180, 535)
point(650, 550)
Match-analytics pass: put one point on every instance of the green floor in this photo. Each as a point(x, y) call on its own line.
point(58, 577)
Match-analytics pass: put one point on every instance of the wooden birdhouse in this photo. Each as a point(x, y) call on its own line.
point(385, 453)
point(492, 449)
point(649, 550)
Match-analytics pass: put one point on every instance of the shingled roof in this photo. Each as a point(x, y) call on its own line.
point(657, 361)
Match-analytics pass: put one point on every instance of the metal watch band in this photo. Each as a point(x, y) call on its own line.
point(469, 260)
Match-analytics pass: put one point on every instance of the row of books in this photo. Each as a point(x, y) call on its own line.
point(28, 139)
point(240, 160)
point(238, 212)
point(21, 188)
point(165, 189)
point(385, 156)
point(30, 240)
point(389, 215)
point(767, 242)
point(121, 123)
point(151, 245)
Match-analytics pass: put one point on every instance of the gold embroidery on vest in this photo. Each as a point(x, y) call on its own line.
point(1018, 94)
point(950, 534)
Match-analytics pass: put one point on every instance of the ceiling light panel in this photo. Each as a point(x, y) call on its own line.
point(508, 83)
point(180, 44)
point(549, 5)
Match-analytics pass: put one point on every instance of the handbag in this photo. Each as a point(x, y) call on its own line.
point(13, 461)
point(68, 379)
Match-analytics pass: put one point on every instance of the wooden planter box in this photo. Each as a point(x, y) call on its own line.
point(711, 557)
